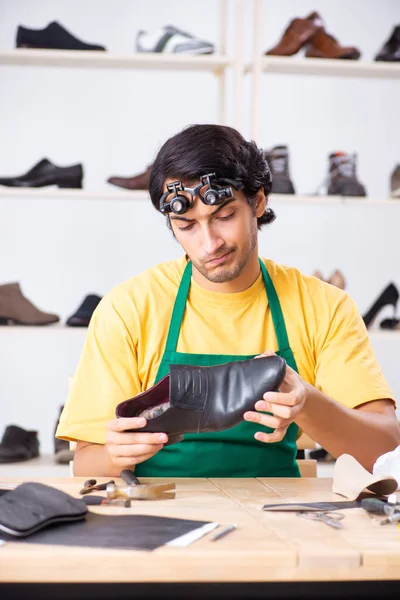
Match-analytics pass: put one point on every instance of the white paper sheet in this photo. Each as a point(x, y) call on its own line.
point(192, 536)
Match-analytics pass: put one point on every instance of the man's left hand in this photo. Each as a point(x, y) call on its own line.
point(284, 405)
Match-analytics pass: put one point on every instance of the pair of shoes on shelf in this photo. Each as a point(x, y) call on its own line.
point(337, 278)
point(390, 51)
point(46, 173)
point(388, 297)
point(342, 178)
point(52, 37)
point(18, 444)
point(310, 33)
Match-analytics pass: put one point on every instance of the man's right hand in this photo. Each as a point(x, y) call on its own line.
point(127, 448)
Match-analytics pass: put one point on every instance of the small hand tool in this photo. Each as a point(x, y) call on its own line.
point(135, 490)
point(91, 485)
point(99, 500)
point(332, 519)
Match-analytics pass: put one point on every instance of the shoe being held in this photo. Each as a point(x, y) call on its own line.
point(390, 52)
point(52, 37)
point(170, 39)
point(342, 175)
point(15, 309)
point(278, 161)
point(193, 399)
point(46, 173)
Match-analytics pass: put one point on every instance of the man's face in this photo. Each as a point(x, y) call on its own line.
point(219, 240)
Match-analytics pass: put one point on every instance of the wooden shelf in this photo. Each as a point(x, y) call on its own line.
point(136, 195)
point(354, 200)
point(90, 59)
point(287, 65)
point(73, 193)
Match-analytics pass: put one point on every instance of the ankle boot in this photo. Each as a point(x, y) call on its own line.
point(343, 179)
point(278, 161)
point(18, 310)
point(192, 399)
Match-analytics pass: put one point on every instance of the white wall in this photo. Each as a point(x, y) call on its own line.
point(114, 121)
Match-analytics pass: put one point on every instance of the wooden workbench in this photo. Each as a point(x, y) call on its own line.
point(267, 547)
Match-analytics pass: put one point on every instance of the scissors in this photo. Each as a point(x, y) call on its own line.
point(329, 518)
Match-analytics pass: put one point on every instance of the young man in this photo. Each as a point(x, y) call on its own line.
point(213, 187)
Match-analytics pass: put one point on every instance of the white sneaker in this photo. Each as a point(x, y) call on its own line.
point(169, 39)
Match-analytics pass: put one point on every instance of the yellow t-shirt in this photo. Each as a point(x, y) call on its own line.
point(128, 331)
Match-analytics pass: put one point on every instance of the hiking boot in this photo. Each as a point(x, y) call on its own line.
point(278, 161)
point(342, 176)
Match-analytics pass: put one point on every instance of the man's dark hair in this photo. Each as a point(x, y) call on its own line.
point(201, 149)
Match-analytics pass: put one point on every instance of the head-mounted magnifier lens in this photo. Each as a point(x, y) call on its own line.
point(211, 191)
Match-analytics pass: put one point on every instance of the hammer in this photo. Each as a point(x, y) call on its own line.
point(135, 490)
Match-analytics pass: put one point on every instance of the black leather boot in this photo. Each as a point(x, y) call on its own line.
point(46, 173)
point(18, 445)
point(192, 399)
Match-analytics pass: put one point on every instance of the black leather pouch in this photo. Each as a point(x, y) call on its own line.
point(32, 506)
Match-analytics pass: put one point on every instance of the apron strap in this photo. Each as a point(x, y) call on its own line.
point(274, 304)
point(179, 309)
point(284, 348)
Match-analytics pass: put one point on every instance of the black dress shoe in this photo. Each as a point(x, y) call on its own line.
point(53, 37)
point(81, 318)
point(18, 445)
point(46, 173)
point(391, 49)
point(192, 399)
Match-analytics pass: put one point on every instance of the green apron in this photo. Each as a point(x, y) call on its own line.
point(233, 452)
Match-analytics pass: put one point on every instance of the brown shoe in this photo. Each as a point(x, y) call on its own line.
point(137, 182)
point(337, 279)
point(298, 33)
point(16, 309)
point(324, 45)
